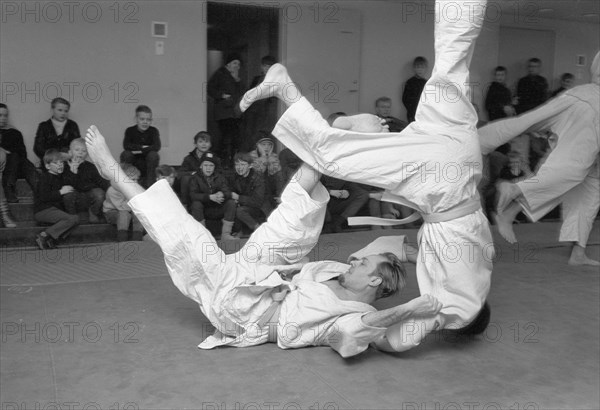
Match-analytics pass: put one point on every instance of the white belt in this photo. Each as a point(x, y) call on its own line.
point(459, 211)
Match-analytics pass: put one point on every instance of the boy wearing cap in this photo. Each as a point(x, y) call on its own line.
point(266, 162)
point(211, 196)
point(191, 164)
point(225, 87)
point(248, 191)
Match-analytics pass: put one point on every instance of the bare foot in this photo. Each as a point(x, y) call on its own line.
point(507, 192)
point(504, 223)
point(579, 258)
point(361, 123)
point(277, 83)
point(100, 154)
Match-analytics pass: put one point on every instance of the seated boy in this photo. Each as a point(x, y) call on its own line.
point(166, 172)
point(90, 187)
point(16, 164)
point(58, 131)
point(347, 198)
point(48, 202)
point(266, 162)
point(141, 145)
point(191, 164)
point(211, 196)
point(248, 191)
point(118, 213)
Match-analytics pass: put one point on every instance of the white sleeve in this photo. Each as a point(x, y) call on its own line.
point(349, 336)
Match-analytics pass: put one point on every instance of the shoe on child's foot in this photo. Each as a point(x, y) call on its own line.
point(41, 240)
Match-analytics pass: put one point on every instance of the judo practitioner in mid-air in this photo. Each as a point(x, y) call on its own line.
point(570, 175)
point(244, 295)
point(433, 166)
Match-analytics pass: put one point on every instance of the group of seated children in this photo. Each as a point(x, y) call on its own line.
point(239, 199)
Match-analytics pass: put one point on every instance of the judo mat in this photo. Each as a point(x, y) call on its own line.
point(102, 327)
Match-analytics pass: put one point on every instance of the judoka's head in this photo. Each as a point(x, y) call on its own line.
point(380, 275)
point(596, 69)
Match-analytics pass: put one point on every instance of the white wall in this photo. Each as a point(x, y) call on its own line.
point(45, 51)
point(36, 51)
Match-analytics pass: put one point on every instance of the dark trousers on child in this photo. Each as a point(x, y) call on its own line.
point(63, 222)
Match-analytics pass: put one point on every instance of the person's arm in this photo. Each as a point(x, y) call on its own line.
point(129, 142)
point(45, 191)
point(39, 144)
point(257, 192)
point(19, 145)
point(196, 191)
point(425, 305)
point(72, 129)
point(221, 182)
point(155, 146)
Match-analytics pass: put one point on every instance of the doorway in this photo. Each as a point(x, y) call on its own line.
point(251, 32)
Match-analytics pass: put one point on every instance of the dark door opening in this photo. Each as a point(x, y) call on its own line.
point(253, 33)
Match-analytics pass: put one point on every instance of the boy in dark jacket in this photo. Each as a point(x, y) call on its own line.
point(58, 131)
point(141, 145)
point(48, 202)
point(211, 196)
point(191, 165)
point(248, 191)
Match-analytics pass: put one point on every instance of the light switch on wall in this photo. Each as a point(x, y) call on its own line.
point(159, 48)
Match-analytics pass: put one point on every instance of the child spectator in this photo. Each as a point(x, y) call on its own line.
point(191, 164)
point(499, 100)
point(211, 196)
point(90, 187)
point(266, 162)
point(347, 198)
point(118, 213)
point(4, 211)
point(166, 172)
point(290, 163)
point(17, 165)
point(48, 202)
point(248, 191)
point(383, 109)
point(567, 81)
point(58, 131)
point(141, 145)
point(414, 87)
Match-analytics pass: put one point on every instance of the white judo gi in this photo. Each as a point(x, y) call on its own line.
point(570, 174)
point(433, 166)
point(237, 292)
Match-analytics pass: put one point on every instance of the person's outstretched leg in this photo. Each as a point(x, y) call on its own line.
point(580, 207)
point(504, 221)
point(107, 165)
point(193, 258)
point(293, 228)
